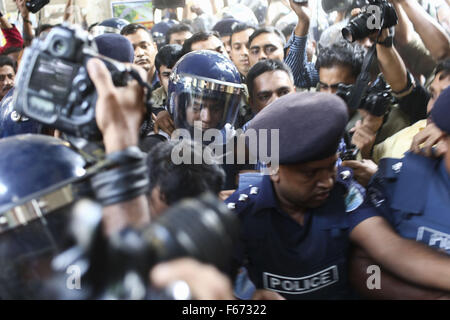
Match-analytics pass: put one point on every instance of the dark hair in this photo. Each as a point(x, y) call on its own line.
point(239, 28)
point(197, 37)
point(287, 30)
point(181, 27)
point(132, 28)
point(7, 61)
point(263, 66)
point(12, 50)
point(168, 55)
point(178, 181)
point(262, 30)
point(42, 28)
point(444, 67)
point(342, 53)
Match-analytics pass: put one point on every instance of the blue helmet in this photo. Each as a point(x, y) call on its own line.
point(112, 25)
point(204, 91)
point(160, 29)
point(12, 123)
point(37, 182)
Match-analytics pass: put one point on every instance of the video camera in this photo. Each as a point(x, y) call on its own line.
point(202, 228)
point(53, 86)
point(377, 100)
point(376, 15)
point(35, 5)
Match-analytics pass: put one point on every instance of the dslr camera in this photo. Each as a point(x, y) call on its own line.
point(202, 228)
point(376, 15)
point(377, 100)
point(35, 5)
point(53, 86)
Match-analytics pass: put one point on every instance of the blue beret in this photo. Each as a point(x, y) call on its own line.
point(310, 125)
point(440, 114)
point(115, 46)
point(225, 26)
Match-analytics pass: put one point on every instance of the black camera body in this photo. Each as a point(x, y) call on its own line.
point(377, 101)
point(53, 86)
point(35, 5)
point(364, 24)
point(202, 228)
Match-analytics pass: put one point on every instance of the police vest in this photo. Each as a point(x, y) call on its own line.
point(298, 262)
point(414, 195)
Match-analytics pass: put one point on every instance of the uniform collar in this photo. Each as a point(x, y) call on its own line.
point(330, 214)
point(266, 198)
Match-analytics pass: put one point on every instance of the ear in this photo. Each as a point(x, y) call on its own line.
point(274, 174)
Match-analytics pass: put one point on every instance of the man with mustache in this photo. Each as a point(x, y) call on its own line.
point(144, 50)
point(297, 223)
point(7, 75)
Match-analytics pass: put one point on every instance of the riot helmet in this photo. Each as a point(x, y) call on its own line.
point(38, 175)
point(159, 31)
point(112, 25)
point(204, 92)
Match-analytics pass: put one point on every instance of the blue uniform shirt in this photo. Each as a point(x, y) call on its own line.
point(414, 195)
point(299, 262)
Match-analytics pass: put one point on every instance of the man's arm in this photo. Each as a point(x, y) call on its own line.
point(119, 114)
point(391, 287)
point(12, 35)
point(27, 26)
point(407, 259)
point(304, 72)
point(433, 35)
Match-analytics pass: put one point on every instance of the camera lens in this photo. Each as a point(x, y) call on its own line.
point(59, 47)
point(357, 28)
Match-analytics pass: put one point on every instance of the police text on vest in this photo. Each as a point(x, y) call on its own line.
point(301, 285)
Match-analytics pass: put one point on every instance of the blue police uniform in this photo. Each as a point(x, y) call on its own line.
point(306, 261)
point(12, 123)
point(413, 194)
point(299, 262)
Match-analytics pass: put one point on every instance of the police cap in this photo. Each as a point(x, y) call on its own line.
point(440, 113)
point(310, 126)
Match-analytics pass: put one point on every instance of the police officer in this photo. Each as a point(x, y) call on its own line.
point(297, 223)
point(204, 93)
point(414, 195)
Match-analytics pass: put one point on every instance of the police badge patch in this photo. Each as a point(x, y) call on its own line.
point(354, 198)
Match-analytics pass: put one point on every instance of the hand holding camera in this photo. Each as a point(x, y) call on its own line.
point(119, 110)
point(303, 13)
point(54, 85)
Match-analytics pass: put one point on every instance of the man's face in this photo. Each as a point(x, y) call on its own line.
point(212, 43)
point(306, 185)
point(266, 46)
point(144, 49)
point(179, 37)
point(164, 75)
point(439, 84)
point(226, 43)
point(205, 112)
point(7, 76)
point(268, 87)
point(239, 50)
point(331, 77)
point(156, 202)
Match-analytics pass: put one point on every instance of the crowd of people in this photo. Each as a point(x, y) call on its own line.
point(325, 156)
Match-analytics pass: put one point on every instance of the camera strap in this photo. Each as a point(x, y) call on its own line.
point(361, 86)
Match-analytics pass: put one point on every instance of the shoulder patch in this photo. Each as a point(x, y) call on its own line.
point(354, 198)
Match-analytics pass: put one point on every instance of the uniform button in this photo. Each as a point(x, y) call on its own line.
point(231, 205)
point(243, 197)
